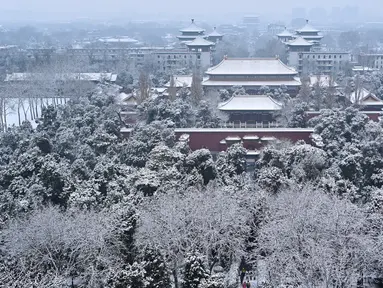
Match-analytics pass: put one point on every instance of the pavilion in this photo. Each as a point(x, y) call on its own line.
point(309, 33)
point(285, 36)
point(214, 36)
point(191, 32)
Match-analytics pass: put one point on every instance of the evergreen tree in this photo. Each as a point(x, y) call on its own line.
point(194, 271)
point(156, 273)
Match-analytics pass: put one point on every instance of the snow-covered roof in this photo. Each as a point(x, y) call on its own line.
point(362, 69)
point(268, 138)
point(365, 97)
point(251, 66)
point(199, 41)
point(324, 81)
point(295, 82)
point(98, 77)
point(181, 81)
point(192, 28)
point(123, 39)
point(299, 41)
point(184, 138)
point(159, 90)
point(307, 28)
point(214, 33)
point(232, 138)
point(251, 137)
point(285, 33)
point(124, 98)
point(250, 103)
point(253, 152)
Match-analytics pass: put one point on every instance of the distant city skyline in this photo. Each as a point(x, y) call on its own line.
point(47, 10)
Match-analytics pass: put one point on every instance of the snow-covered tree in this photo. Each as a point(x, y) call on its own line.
point(194, 271)
point(207, 222)
point(313, 239)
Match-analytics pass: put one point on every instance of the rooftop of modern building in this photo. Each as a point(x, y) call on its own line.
point(251, 66)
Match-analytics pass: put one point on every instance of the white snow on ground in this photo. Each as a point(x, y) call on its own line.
point(12, 115)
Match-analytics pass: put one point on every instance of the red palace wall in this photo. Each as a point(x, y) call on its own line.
point(211, 138)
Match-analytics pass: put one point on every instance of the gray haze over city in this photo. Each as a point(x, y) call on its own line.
point(46, 10)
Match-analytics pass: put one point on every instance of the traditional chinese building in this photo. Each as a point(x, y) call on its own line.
point(204, 48)
point(285, 36)
point(295, 49)
point(366, 99)
point(214, 36)
point(251, 110)
point(252, 74)
point(309, 33)
point(191, 32)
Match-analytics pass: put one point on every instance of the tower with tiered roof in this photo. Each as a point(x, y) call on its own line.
point(191, 32)
point(309, 33)
point(214, 36)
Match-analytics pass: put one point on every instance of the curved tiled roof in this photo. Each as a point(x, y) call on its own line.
point(285, 33)
point(251, 66)
point(192, 28)
point(214, 33)
point(299, 42)
point(250, 103)
point(199, 41)
point(307, 28)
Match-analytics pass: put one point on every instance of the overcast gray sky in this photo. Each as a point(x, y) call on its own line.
point(65, 9)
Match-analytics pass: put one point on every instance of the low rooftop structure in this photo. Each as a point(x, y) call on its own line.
point(366, 98)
